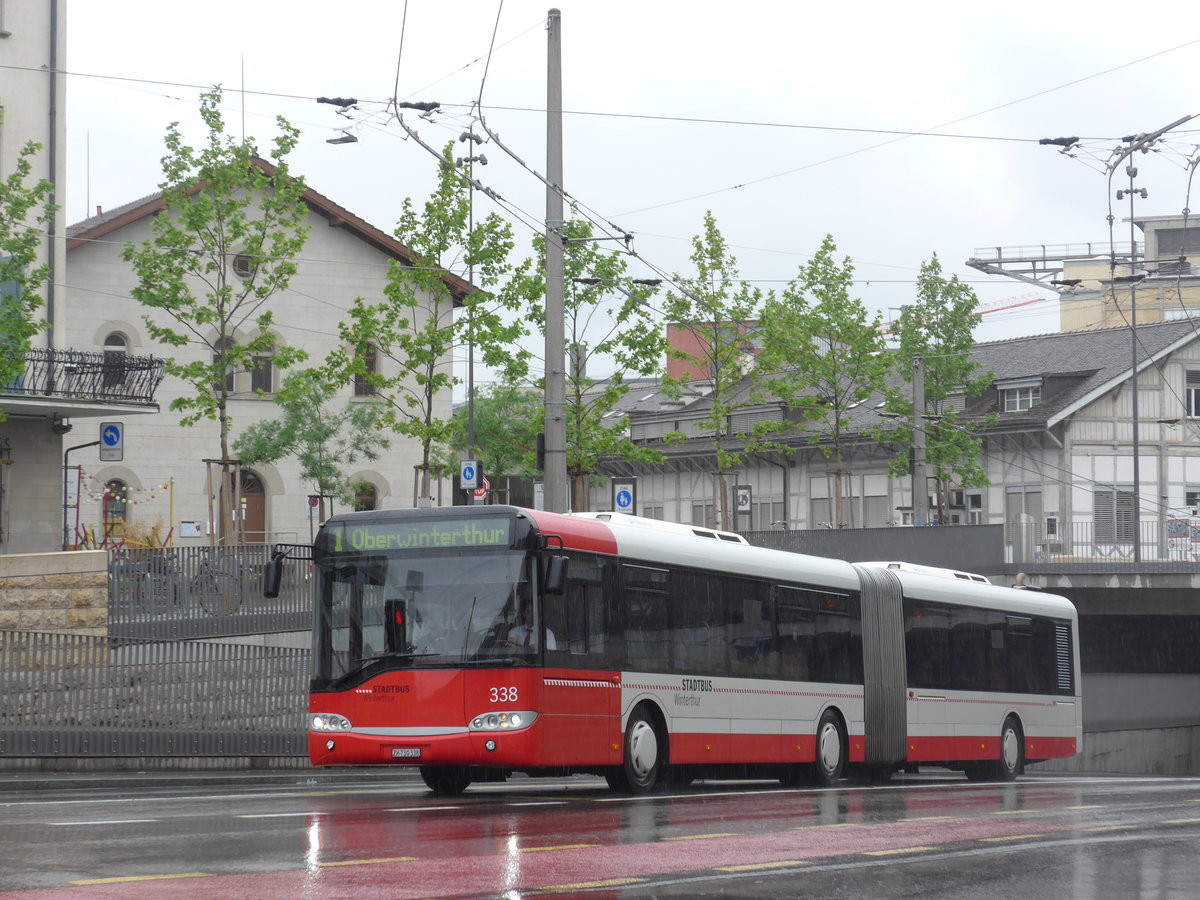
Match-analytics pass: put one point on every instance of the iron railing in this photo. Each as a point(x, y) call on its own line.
point(80, 696)
point(87, 375)
point(1159, 540)
point(204, 592)
point(148, 689)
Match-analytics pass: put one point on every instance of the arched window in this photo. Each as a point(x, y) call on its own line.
point(262, 375)
point(365, 497)
point(243, 266)
point(115, 505)
point(218, 352)
point(115, 349)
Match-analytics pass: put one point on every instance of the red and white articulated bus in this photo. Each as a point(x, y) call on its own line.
point(478, 641)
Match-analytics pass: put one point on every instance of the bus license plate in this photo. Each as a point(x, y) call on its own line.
point(406, 752)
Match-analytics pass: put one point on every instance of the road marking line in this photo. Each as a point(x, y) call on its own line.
point(558, 847)
point(767, 865)
point(583, 885)
point(813, 827)
point(1011, 837)
point(143, 878)
point(1106, 828)
point(697, 837)
point(1085, 807)
point(418, 808)
point(1013, 812)
point(104, 822)
point(286, 815)
point(896, 852)
point(1180, 821)
point(535, 803)
point(925, 818)
point(368, 862)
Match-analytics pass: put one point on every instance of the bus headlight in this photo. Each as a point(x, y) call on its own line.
point(503, 721)
point(328, 722)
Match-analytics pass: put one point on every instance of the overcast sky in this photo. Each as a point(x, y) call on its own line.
point(787, 119)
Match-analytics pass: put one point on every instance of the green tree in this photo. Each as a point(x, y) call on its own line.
point(939, 327)
point(222, 247)
point(623, 337)
point(717, 311)
point(25, 213)
point(326, 442)
point(414, 330)
point(823, 354)
point(508, 418)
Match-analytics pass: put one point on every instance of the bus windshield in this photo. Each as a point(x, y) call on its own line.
point(433, 609)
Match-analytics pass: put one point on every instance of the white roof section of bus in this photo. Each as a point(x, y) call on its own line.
point(928, 570)
point(658, 546)
point(939, 589)
point(624, 519)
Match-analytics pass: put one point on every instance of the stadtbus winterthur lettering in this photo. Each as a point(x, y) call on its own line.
point(421, 535)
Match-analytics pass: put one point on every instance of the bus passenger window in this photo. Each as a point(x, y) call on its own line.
point(647, 619)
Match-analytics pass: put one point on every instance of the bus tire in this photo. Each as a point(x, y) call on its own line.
point(1011, 761)
point(446, 781)
point(830, 760)
point(644, 753)
point(1012, 756)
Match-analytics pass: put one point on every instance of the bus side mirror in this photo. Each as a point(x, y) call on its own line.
point(395, 634)
point(556, 574)
point(273, 574)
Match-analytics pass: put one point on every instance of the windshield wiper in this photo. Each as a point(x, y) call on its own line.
point(482, 661)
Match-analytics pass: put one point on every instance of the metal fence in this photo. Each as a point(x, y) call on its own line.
point(204, 592)
point(175, 676)
point(1175, 540)
point(80, 695)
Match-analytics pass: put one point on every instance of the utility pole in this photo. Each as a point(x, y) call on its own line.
point(555, 497)
point(920, 478)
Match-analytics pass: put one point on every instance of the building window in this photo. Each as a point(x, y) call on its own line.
point(1112, 513)
point(703, 514)
point(243, 265)
point(219, 354)
point(262, 375)
point(1192, 396)
point(362, 385)
point(1191, 499)
point(115, 506)
point(1022, 398)
point(365, 498)
point(115, 350)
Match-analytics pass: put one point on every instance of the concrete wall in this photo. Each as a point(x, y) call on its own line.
point(56, 592)
point(1150, 751)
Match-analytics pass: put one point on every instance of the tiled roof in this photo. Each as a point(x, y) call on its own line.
point(105, 223)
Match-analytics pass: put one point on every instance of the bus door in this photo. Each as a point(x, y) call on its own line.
point(927, 652)
point(581, 697)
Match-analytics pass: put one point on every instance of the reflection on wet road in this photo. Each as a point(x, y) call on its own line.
point(1068, 837)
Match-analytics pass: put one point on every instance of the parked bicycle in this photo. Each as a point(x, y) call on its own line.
point(158, 585)
point(217, 585)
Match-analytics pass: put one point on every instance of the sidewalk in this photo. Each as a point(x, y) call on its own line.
point(15, 781)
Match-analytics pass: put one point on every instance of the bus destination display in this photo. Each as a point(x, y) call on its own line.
point(374, 537)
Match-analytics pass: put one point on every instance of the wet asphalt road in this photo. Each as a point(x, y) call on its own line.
point(929, 836)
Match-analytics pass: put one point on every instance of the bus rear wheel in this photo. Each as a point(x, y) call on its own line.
point(643, 756)
point(831, 750)
point(1011, 761)
point(446, 781)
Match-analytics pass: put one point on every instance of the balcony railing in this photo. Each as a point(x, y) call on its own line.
point(1175, 540)
point(87, 375)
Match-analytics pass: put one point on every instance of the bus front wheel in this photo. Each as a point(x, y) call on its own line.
point(446, 781)
point(831, 750)
point(644, 748)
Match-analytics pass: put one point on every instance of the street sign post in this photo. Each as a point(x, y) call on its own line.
point(112, 441)
point(469, 475)
point(624, 496)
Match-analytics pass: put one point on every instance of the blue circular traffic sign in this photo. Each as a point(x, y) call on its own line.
point(468, 473)
point(111, 435)
point(624, 499)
